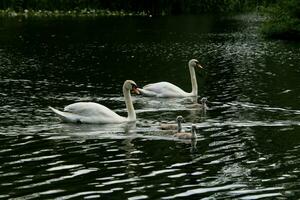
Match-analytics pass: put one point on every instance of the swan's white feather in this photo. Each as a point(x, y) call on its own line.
point(163, 89)
point(166, 89)
point(89, 112)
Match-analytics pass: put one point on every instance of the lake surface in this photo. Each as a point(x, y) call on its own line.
point(248, 143)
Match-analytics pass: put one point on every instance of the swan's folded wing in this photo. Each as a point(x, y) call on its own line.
point(147, 93)
point(82, 108)
point(164, 89)
point(168, 126)
point(159, 87)
point(90, 109)
point(66, 116)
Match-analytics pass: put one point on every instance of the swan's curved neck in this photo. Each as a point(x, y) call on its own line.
point(194, 81)
point(129, 105)
point(194, 135)
point(179, 127)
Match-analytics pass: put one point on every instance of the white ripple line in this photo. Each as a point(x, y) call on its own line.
point(260, 196)
point(120, 181)
point(80, 194)
point(63, 167)
point(50, 181)
point(154, 173)
point(238, 192)
point(33, 159)
point(203, 190)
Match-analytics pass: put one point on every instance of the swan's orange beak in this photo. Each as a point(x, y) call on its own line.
point(198, 65)
point(135, 90)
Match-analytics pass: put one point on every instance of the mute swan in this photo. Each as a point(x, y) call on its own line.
point(89, 112)
point(166, 89)
point(187, 135)
point(177, 126)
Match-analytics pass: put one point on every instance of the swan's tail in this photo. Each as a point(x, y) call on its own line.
point(65, 116)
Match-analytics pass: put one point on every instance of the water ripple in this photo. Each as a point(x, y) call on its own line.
point(248, 143)
point(204, 190)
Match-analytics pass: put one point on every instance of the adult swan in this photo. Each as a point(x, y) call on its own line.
point(89, 112)
point(166, 89)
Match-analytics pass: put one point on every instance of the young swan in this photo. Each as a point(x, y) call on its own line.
point(200, 104)
point(203, 104)
point(179, 120)
point(187, 135)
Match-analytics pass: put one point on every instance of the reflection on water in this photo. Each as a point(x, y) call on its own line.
point(248, 143)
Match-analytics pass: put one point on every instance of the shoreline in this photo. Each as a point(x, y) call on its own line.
point(68, 13)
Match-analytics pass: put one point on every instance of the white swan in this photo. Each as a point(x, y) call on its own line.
point(166, 89)
point(89, 112)
point(187, 135)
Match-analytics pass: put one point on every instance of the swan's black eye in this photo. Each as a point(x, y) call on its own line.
point(197, 62)
point(133, 86)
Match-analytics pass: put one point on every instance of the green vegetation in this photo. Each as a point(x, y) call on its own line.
point(283, 16)
point(125, 7)
point(283, 20)
point(74, 13)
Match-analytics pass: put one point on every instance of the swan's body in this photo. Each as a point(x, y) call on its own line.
point(89, 112)
point(166, 89)
point(163, 89)
point(177, 126)
point(187, 135)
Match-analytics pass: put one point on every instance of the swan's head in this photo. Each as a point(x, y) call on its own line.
point(194, 63)
point(179, 119)
point(131, 86)
point(203, 100)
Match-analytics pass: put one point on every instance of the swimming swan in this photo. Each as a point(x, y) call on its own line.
point(200, 105)
point(177, 126)
point(187, 135)
point(89, 112)
point(166, 89)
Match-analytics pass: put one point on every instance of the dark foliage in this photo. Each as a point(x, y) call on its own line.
point(283, 21)
point(154, 7)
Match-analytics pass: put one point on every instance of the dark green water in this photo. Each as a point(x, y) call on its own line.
point(248, 143)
